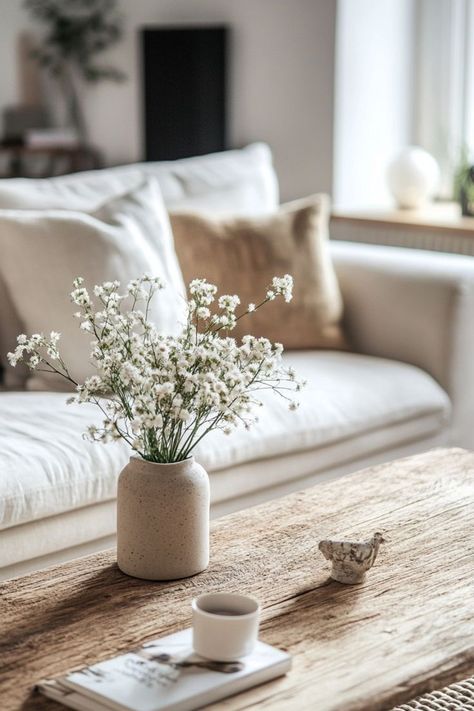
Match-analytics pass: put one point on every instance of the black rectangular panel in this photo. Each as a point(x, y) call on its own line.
point(184, 73)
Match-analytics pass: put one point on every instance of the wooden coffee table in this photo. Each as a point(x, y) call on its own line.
point(409, 628)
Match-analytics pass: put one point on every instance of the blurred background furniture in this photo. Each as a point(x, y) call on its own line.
point(23, 161)
point(438, 226)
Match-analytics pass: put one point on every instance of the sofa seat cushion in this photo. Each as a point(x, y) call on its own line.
point(46, 467)
point(346, 395)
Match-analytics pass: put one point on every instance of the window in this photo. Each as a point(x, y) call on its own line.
point(444, 94)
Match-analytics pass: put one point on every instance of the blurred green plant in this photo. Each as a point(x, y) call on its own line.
point(461, 173)
point(76, 31)
point(463, 184)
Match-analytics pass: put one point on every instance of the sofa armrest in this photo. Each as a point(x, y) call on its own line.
point(418, 307)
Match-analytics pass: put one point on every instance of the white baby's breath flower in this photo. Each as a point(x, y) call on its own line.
point(284, 286)
point(93, 383)
point(52, 352)
point(228, 302)
point(203, 312)
point(80, 297)
point(227, 321)
point(34, 361)
point(163, 393)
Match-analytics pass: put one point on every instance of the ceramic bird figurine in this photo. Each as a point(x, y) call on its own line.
point(351, 560)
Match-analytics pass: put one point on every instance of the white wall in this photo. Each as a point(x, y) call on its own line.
point(282, 77)
point(374, 96)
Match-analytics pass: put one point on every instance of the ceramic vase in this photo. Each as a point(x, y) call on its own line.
point(162, 519)
point(413, 177)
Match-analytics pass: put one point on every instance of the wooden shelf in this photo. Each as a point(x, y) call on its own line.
point(443, 217)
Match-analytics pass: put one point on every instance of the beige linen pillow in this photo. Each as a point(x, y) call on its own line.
point(42, 252)
point(242, 255)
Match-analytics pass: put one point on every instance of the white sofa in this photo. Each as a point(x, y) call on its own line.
point(408, 385)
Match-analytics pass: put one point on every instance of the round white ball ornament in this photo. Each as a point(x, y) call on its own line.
point(413, 177)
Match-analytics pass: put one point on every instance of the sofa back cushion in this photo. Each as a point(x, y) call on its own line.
point(239, 181)
point(241, 255)
point(43, 251)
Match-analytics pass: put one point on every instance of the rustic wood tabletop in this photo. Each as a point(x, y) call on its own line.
point(409, 628)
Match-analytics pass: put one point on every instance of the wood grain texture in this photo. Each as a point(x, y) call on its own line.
point(408, 629)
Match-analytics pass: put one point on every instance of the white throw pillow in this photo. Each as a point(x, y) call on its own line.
point(42, 252)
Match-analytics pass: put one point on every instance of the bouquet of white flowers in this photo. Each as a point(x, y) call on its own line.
point(160, 393)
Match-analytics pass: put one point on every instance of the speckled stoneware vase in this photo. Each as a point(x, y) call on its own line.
point(162, 519)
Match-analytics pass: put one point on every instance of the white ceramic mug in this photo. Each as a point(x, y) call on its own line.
point(225, 626)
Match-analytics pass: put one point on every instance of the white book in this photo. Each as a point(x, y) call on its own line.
point(164, 675)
